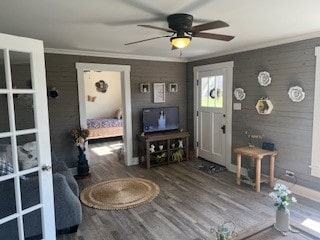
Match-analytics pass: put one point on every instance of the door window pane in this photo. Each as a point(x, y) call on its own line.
point(24, 113)
point(9, 230)
point(2, 71)
point(32, 225)
point(4, 119)
point(20, 70)
point(6, 163)
point(212, 91)
point(27, 152)
point(7, 199)
point(29, 190)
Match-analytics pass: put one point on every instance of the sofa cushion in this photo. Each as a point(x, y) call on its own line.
point(68, 210)
point(71, 181)
point(5, 166)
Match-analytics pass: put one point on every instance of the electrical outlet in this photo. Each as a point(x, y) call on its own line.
point(289, 174)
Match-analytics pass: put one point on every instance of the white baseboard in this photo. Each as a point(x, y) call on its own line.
point(302, 191)
point(134, 161)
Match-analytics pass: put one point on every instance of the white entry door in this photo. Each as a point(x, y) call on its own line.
point(26, 190)
point(211, 113)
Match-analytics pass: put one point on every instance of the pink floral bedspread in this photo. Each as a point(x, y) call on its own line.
point(104, 123)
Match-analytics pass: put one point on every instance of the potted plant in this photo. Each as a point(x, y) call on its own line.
point(80, 137)
point(282, 198)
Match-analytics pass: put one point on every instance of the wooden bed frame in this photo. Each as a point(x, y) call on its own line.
point(96, 133)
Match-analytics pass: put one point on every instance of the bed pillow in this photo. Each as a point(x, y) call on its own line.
point(5, 151)
point(27, 155)
point(118, 114)
point(29, 146)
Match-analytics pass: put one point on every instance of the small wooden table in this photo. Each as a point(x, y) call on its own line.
point(256, 154)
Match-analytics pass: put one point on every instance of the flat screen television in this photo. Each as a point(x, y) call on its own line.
point(160, 119)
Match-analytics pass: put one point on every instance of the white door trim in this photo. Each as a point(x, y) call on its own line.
point(229, 84)
point(315, 161)
point(126, 101)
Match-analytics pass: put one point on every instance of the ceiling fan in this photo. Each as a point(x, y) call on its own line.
point(181, 30)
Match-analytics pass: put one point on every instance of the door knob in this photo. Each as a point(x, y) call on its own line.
point(223, 129)
point(46, 167)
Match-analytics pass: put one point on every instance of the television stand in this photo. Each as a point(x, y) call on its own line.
point(169, 147)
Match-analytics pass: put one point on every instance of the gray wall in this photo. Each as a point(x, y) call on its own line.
point(289, 126)
point(64, 111)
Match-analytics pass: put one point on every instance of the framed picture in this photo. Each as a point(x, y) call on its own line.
point(145, 87)
point(173, 87)
point(159, 92)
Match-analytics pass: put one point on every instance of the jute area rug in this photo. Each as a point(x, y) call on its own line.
point(119, 193)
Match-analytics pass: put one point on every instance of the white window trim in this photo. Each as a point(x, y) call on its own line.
point(315, 154)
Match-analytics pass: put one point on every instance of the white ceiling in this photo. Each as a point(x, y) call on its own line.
point(104, 26)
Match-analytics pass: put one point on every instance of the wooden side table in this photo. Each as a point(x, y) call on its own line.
point(256, 154)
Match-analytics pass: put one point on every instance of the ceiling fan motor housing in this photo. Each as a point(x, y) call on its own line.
point(180, 22)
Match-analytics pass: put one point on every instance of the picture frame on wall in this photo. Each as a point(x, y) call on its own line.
point(173, 87)
point(145, 87)
point(159, 92)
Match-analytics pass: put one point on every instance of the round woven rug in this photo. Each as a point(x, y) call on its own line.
point(119, 193)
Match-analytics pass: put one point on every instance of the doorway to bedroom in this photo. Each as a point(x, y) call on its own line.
point(105, 109)
point(103, 103)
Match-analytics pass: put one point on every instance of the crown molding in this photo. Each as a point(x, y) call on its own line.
point(257, 46)
point(185, 60)
point(111, 55)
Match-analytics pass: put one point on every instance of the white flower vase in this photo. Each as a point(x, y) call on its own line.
point(282, 220)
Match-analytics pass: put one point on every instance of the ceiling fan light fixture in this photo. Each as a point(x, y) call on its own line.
point(180, 42)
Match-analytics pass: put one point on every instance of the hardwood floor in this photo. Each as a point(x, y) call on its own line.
point(189, 204)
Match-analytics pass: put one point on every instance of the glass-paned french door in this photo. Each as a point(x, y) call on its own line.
point(26, 191)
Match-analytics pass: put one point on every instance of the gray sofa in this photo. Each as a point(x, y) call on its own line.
point(68, 211)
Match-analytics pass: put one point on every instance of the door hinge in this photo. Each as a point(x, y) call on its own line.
point(197, 82)
point(197, 113)
point(197, 144)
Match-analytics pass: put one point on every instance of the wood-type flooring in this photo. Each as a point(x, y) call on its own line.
point(190, 203)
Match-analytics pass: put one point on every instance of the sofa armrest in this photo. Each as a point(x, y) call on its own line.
point(68, 211)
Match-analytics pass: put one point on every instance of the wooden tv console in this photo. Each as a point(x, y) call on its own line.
point(165, 154)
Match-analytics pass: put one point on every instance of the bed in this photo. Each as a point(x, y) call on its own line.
point(104, 128)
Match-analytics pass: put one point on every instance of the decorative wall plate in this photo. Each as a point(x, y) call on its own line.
point(101, 86)
point(296, 94)
point(264, 78)
point(239, 94)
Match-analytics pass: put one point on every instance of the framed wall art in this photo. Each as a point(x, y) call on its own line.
point(145, 87)
point(173, 87)
point(159, 92)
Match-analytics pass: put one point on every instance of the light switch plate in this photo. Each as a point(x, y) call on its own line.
point(236, 106)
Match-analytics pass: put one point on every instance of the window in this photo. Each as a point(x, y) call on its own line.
point(212, 91)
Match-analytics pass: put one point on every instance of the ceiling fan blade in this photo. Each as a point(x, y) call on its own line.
point(213, 36)
point(155, 27)
point(136, 4)
point(194, 5)
point(148, 39)
point(133, 21)
point(208, 26)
